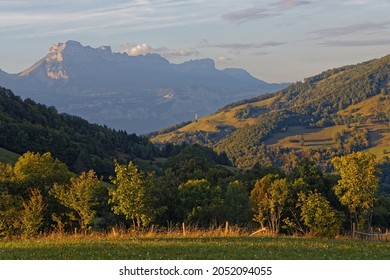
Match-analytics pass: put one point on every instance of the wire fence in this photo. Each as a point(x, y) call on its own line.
point(371, 235)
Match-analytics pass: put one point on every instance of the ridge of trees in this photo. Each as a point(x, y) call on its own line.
point(30, 126)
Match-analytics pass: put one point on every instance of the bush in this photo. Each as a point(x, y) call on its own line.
point(317, 214)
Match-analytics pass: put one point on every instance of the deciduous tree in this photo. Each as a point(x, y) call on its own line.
point(79, 196)
point(32, 214)
point(357, 186)
point(201, 203)
point(269, 197)
point(131, 195)
point(33, 170)
point(317, 214)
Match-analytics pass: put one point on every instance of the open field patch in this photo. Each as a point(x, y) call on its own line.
point(7, 156)
point(313, 137)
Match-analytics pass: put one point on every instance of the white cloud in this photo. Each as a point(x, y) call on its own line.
point(138, 49)
point(142, 49)
point(134, 49)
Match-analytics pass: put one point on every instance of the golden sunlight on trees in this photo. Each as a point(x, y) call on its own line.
point(33, 170)
point(358, 185)
point(317, 214)
point(79, 196)
point(32, 214)
point(131, 195)
point(269, 197)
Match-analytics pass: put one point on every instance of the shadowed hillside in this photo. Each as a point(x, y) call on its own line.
point(30, 126)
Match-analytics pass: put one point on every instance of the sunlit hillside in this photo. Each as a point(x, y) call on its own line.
point(305, 116)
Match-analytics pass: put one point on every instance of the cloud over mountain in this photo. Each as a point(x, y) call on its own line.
point(138, 49)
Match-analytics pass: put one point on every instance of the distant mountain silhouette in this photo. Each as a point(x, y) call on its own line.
point(133, 93)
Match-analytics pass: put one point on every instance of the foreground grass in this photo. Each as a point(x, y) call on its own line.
point(203, 248)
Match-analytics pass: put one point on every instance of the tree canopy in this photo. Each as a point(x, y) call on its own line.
point(131, 195)
point(358, 184)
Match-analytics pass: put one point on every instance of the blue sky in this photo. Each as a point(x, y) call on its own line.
point(275, 40)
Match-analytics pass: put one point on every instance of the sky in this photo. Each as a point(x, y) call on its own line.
point(274, 40)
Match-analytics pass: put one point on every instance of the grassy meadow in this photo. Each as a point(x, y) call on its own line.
point(192, 248)
point(7, 156)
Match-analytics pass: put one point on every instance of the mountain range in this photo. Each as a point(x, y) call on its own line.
point(133, 93)
point(335, 112)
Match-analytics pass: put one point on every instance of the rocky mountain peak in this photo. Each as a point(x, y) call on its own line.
point(54, 59)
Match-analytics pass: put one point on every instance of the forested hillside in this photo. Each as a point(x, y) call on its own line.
point(334, 113)
point(30, 126)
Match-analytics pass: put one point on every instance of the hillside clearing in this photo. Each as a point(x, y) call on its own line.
point(7, 156)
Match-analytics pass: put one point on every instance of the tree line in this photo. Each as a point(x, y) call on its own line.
point(38, 194)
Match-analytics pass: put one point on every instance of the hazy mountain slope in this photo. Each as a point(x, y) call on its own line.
point(336, 98)
point(135, 93)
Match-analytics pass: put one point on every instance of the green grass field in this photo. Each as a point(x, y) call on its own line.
point(203, 248)
point(7, 156)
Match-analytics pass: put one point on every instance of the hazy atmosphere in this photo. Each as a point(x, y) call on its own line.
point(276, 41)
